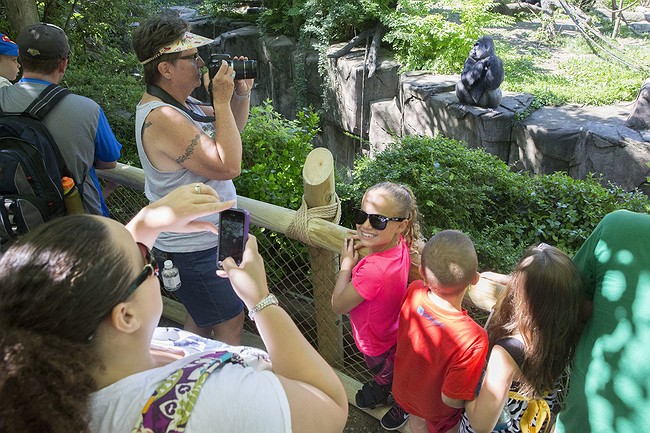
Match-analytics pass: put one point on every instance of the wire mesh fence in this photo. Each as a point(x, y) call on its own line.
point(302, 277)
point(291, 267)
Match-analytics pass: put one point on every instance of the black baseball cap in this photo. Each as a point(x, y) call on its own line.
point(43, 40)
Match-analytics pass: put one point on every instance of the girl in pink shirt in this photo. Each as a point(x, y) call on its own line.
point(371, 289)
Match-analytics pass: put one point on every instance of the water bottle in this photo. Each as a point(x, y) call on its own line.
point(170, 277)
point(505, 419)
point(71, 197)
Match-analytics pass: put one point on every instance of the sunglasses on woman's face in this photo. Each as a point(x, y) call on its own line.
point(150, 268)
point(377, 222)
point(192, 57)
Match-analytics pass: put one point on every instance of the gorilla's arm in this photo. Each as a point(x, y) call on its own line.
point(472, 73)
point(494, 73)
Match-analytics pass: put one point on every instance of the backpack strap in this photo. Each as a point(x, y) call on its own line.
point(170, 406)
point(39, 108)
point(44, 102)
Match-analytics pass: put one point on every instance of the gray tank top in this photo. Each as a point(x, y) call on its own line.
point(159, 183)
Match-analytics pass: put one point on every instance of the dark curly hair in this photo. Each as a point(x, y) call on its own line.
point(152, 35)
point(56, 286)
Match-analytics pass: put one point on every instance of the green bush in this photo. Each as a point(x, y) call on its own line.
point(111, 83)
point(437, 36)
point(275, 150)
point(502, 211)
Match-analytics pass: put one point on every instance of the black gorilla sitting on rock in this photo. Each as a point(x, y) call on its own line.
point(481, 77)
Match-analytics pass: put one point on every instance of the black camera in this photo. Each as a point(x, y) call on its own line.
point(243, 68)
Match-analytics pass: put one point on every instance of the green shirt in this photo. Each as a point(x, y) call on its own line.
point(610, 380)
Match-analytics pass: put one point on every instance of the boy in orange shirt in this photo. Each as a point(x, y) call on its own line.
point(441, 351)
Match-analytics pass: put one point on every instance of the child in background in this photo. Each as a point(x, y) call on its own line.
point(533, 334)
point(371, 289)
point(9, 66)
point(440, 349)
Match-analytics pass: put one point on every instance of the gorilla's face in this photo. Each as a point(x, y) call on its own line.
point(482, 48)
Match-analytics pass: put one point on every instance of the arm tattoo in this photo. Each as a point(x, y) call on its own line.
point(189, 150)
point(146, 125)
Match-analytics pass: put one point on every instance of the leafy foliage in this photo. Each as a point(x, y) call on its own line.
point(437, 36)
point(112, 84)
point(502, 211)
point(224, 9)
point(275, 149)
point(328, 21)
point(583, 79)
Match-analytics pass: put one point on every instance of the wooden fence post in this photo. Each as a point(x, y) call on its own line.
point(318, 177)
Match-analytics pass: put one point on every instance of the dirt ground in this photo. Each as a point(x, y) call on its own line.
point(525, 35)
point(361, 422)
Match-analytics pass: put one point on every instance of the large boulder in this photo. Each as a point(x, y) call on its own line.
point(640, 117)
point(581, 140)
point(351, 91)
point(429, 104)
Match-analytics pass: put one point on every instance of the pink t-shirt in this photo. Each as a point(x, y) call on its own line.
point(381, 279)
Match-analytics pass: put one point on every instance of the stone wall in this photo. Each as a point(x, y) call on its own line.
point(365, 114)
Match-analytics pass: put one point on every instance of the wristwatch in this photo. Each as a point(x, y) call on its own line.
point(269, 300)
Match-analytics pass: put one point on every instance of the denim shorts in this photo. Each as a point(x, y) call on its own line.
point(208, 298)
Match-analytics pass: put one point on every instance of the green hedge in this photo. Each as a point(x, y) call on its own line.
point(502, 211)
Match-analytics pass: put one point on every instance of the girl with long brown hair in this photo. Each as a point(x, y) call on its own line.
point(533, 332)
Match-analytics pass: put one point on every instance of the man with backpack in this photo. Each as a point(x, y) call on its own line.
point(76, 124)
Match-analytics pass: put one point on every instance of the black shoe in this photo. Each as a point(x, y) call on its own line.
point(395, 418)
point(372, 395)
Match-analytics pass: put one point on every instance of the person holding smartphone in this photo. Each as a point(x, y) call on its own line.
point(79, 309)
point(181, 142)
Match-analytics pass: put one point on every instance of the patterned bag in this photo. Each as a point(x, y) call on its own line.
point(169, 408)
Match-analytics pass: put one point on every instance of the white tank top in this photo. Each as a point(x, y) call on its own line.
point(159, 183)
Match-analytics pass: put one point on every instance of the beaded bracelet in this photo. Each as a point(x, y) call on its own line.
point(269, 300)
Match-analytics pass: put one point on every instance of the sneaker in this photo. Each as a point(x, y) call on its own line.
point(395, 418)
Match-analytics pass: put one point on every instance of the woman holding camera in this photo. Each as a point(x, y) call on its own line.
point(79, 306)
point(179, 144)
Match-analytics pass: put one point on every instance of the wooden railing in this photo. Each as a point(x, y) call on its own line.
point(325, 239)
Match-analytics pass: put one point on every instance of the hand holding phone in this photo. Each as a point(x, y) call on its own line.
point(233, 234)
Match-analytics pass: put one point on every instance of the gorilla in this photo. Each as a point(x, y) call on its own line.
point(481, 77)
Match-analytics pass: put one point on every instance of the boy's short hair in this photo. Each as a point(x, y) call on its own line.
point(449, 262)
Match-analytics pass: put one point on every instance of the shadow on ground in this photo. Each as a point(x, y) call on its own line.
point(361, 422)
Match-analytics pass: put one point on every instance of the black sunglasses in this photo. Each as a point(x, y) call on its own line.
point(150, 268)
point(377, 222)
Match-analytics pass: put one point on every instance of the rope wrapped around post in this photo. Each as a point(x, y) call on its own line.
point(299, 226)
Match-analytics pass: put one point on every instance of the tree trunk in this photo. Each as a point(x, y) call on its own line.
point(55, 13)
point(21, 13)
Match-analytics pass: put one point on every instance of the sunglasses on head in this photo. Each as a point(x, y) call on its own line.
point(150, 268)
point(377, 222)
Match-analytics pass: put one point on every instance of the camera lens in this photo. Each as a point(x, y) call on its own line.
point(244, 68)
